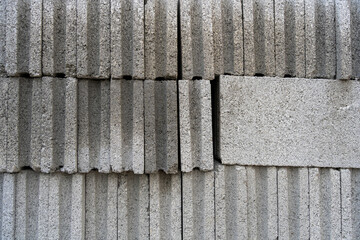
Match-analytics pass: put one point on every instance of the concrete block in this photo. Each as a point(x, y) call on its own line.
point(268, 121)
point(259, 38)
point(320, 39)
point(93, 38)
point(161, 39)
point(165, 206)
point(127, 125)
point(228, 37)
point(347, 39)
point(290, 38)
point(133, 206)
point(195, 125)
point(8, 206)
point(161, 127)
point(198, 205)
point(59, 38)
point(23, 37)
point(197, 50)
point(2, 36)
point(3, 122)
point(127, 39)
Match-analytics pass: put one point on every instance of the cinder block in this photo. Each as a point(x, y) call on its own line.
point(320, 39)
point(23, 37)
point(198, 205)
point(2, 36)
point(195, 125)
point(93, 38)
point(59, 38)
point(197, 49)
point(161, 127)
point(127, 125)
point(268, 121)
point(127, 39)
point(290, 38)
point(228, 37)
point(3, 122)
point(165, 206)
point(259, 38)
point(161, 39)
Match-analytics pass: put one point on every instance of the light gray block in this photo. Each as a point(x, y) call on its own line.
point(228, 37)
point(3, 122)
point(198, 205)
point(2, 36)
point(259, 38)
point(165, 206)
point(93, 38)
point(161, 133)
point(320, 39)
point(195, 125)
point(127, 125)
point(268, 121)
point(8, 206)
point(59, 38)
point(127, 39)
point(161, 39)
point(197, 39)
point(290, 38)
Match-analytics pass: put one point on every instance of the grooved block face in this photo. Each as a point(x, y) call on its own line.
point(289, 122)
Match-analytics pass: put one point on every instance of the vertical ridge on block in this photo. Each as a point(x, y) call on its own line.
point(93, 38)
point(198, 205)
point(195, 125)
point(4, 84)
point(259, 51)
point(127, 39)
point(320, 39)
point(59, 38)
point(2, 36)
point(161, 39)
point(127, 125)
point(231, 202)
point(165, 206)
point(77, 230)
point(43, 215)
point(8, 206)
point(161, 135)
point(133, 206)
point(1, 203)
point(197, 39)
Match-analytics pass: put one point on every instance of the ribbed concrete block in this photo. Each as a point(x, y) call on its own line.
point(161, 133)
point(127, 125)
point(320, 39)
point(228, 37)
point(127, 39)
point(197, 48)
point(23, 37)
point(195, 125)
point(198, 205)
point(2, 36)
point(161, 39)
point(325, 203)
point(231, 202)
point(3, 122)
point(268, 121)
point(8, 206)
point(94, 125)
point(59, 38)
point(133, 206)
point(93, 38)
point(259, 38)
point(290, 38)
point(347, 39)
point(293, 202)
point(165, 206)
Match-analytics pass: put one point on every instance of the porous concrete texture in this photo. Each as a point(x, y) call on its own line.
point(127, 39)
point(197, 46)
point(290, 38)
point(161, 39)
point(2, 36)
point(289, 122)
point(196, 144)
point(161, 126)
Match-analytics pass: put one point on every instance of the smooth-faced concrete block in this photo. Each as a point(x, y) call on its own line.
point(195, 125)
point(127, 39)
point(197, 49)
point(269, 121)
point(161, 127)
point(127, 125)
point(161, 39)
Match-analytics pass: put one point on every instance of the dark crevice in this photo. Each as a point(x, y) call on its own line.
point(60, 75)
point(25, 168)
point(259, 75)
point(179, 62)
point(127, 77)
point(215, 115)
point(160, 78)
point(197, 78)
